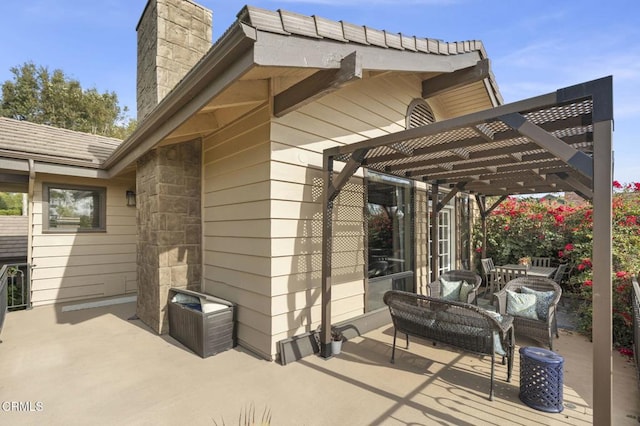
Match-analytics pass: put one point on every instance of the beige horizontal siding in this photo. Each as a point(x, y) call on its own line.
point(238, 194)
point(236, 221)
point(293, 283)
point(362, 110)
point(241, 279)
point(76, 266)
point(235, 180)
point(96, 249)
point(251, 305)
point(262, 195)
point(258, 265)
point(67, 289)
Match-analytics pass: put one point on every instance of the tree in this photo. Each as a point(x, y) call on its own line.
point(10, 204)
point(37, 95)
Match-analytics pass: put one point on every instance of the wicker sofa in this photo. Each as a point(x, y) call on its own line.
point(461, 325)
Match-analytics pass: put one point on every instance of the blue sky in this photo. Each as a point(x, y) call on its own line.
point(535, 47)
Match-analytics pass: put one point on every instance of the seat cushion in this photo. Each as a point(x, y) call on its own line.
point(543, 301)
point(497, 345)
point(521, 305)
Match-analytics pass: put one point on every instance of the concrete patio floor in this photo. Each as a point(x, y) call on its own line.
point(95, 366)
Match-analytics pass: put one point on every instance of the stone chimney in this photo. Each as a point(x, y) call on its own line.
point(173, 35)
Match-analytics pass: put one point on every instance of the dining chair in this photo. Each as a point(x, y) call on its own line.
point(488, 269)
point(560, 273)
point(541, 261)
point(503, 275)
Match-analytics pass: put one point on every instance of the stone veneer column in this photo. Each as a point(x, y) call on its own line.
point(173, 35)
point(169, 228)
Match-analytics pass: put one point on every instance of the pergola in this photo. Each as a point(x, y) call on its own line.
point(561, 141)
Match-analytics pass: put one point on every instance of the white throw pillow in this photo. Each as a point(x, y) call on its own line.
point(450, 290)
point(521, 305)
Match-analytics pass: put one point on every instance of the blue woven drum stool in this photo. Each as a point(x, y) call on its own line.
point(541, 377)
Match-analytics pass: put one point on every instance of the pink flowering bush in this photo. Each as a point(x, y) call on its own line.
point(550, 228)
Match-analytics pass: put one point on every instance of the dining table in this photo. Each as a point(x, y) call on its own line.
point(535, 271)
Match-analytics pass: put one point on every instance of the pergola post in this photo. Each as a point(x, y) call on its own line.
point(484, 212)
point(602, 271)
point(481, 200)
point(327, 239)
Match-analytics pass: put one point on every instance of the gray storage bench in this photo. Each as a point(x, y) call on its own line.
point(203, 323)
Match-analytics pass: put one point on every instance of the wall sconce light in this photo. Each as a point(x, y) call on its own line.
point(131, 199)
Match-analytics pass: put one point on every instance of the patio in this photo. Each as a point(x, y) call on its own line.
point(94, 366)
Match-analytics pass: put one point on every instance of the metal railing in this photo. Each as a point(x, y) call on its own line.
point(635, 300)
point(16, 277)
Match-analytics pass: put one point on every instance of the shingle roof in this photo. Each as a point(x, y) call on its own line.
point(290, 23)
point(23, 140)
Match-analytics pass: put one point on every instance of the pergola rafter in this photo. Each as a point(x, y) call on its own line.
point(560, 141)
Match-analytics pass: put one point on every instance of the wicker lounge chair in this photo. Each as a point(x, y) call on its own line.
point(433, 288)
point(538, 329)
point(457, 324)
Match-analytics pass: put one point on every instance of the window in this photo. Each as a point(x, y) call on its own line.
point(446, 247)
point(444, 239)
point(74, 208)
point(390, 236)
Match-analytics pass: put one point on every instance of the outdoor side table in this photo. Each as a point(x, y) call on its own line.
point(541, 379)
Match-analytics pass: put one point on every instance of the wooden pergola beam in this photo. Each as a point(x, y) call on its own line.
point(497, 137)
point(575, 158)
point(444, 82)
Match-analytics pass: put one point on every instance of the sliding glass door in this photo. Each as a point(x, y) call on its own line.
point(390, 219)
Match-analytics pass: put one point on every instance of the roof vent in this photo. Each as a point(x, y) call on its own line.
point(419, 114)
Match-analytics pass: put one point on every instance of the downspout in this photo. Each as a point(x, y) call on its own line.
point(30, 203)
